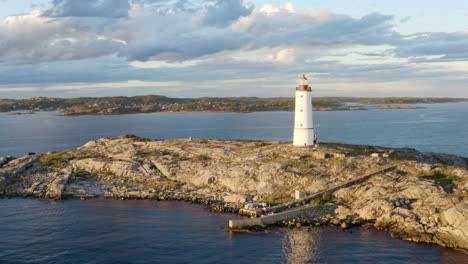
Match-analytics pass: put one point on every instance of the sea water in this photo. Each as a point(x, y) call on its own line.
point(112, 231)
point(145, 231)
point(437, 128)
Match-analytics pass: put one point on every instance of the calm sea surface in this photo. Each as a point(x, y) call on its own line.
point(111, 231)
point(438, 128)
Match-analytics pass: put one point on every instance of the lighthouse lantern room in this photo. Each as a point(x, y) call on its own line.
point(303, 123)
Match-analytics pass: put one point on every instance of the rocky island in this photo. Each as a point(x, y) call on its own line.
point(118, 105)
point(423, 198)
point(400, 107)
point(22, 113)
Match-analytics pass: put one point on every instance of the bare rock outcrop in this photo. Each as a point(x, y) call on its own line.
point(424, 199)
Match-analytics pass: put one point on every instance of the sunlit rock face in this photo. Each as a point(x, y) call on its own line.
point(423, 199)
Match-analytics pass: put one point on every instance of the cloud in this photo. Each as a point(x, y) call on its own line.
point(172, 36)
point(88, 8)
point(214, 40)
point(283, 56)
point(445, 46)
point(180, 35)
point(178, 30)
point(183, 30)
point(33, 38)
point(273, 26)
point(224, 12)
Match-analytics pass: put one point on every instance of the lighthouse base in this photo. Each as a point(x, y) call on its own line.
point(305, 146)
point(303, 138)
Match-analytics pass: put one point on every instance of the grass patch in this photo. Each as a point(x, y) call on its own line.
point(94, 156)
point(11, 189)
point(276, 198)
point(439, 178)
point(57, 159)
point(301, 164)
point(156, 153)
point(80, 176)
point(401, 173)
point(181, 158)
point(201, 158)
point(352, 149)
point(132, 138)
point(22, 178)
point(167, 185)
point(322, 199)
point(139, 139)
point(60, 159)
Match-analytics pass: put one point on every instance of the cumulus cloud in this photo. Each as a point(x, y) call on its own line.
point(169, 30)
point(307, 30)
point(172, 35)
point(88, 8)
point(181, 35)
point(228, 38)
point(33, 38)
point(179, 30)
point(283, 56)
point(443, 46)
point(224, 12)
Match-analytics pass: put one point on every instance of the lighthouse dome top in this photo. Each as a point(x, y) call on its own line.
point(303, 80)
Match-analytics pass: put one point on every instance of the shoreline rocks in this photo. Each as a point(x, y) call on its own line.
point(425, 199)
point(399, 107)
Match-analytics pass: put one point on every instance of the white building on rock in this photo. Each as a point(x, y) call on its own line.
point(304, 135)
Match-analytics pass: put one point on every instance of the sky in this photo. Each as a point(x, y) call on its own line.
point(196, 48)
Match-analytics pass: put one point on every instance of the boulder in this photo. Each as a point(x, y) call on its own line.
point(316, 186)
point(342, 212)
point(460, 173)
point(235, 198)
point(56, 188)
point(456, 217)
point(322, 155)
point(375, 209)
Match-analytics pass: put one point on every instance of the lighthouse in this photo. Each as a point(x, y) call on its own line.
point(303, 124)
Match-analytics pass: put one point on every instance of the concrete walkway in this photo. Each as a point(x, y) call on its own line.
point(295, 208)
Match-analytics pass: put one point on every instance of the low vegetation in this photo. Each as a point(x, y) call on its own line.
point(440, 178)
point(277, 198)
point(350, 149)
point(202, 158)
point(57, 159)
point(132, 138)
point(411, 100)
point(153, 103)
point(61, 159)
point(322, 199)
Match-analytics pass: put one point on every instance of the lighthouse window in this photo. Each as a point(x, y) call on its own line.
point(301, 124)
point(301, 110)
point(301, 95)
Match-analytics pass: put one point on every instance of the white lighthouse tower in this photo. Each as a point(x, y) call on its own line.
point(303, 124)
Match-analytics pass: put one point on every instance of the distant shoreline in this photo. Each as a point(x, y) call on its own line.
point(22, 113)
point(400, 107)
point(118, 105)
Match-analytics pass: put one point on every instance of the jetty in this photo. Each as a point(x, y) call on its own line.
point(272, 215)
